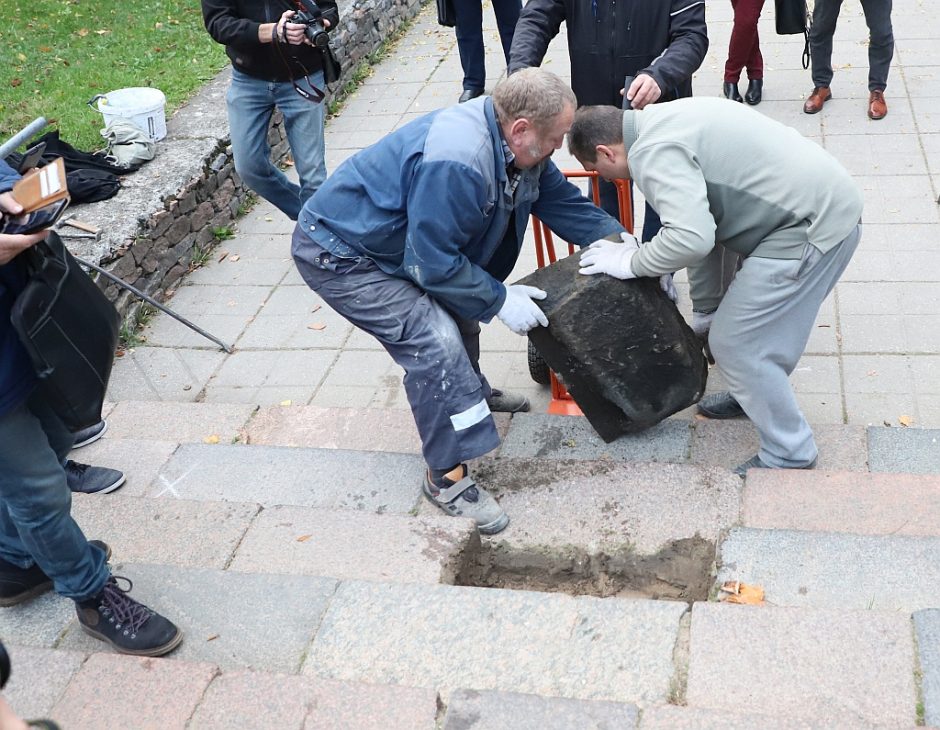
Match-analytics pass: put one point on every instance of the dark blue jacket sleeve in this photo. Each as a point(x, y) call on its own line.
point(688, 43)
point(445, 215)
point(8, 176)
point(563, 208)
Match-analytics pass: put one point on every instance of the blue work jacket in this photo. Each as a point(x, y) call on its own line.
point(432, 203)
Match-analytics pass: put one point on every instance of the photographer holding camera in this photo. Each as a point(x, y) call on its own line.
point(280, 59)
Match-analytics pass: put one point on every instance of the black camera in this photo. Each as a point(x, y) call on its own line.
point(311, 16)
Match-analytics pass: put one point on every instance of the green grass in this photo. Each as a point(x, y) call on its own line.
point(58, 54)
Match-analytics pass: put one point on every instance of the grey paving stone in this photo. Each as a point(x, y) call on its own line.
point(472, 710)
point(140, 460)
point(829, 570)
point(863, 504)
point(172, 531)
point(446, 637)
point(671, 717)
point(256, 368)
point(537, 435)
point(823, 665)
point(167, 332)
point(173, 689)
point(237, 270)
point(159, 373)
point(927, 631)
point(194, 302)
point(907, 450)
point(185, 421)
point(39, 622)
point(234, 620)
point(609, 506)
point(404, 549)
point(260, 701)
point(38, 678)
point(271, 475)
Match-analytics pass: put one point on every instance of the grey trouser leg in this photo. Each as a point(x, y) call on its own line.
point(446, 393)
point(758, 335)
point(880, 49)
point(881, 44)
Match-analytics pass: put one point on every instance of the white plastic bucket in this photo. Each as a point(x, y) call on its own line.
point(143, 106)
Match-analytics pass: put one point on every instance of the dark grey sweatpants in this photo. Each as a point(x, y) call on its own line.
point(880, 47)
point(438, 351)
point(759, 333)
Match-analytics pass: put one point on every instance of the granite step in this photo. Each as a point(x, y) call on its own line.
point(826, 667)
point(834, 570)
point(104, 690)
point(491, 710)
point(673, 717)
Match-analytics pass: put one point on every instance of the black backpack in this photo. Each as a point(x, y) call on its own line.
point(87, 185)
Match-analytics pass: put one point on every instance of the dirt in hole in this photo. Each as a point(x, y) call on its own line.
point(681, 571)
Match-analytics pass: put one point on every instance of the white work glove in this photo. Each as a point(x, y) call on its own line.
point(702, 323)
point(519, 313)
point(667, 285)
point(610, 257)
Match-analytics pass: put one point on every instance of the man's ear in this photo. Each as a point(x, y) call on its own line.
point(606, 152)
point(519, 127)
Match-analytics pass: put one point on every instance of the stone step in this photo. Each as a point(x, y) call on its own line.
point(249, 538)
point(104, 690)
point(489, 710)
point(832, 570)
point(830, 668)
point(927, 633)
point(673, 717)
point(864, 504)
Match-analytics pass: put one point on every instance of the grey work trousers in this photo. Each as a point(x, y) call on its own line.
point(880, 46)
point(759, 333)
point(438, 351)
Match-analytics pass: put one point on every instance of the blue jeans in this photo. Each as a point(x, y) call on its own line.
point(469, 15)
point(35, 503)
point(251, 103)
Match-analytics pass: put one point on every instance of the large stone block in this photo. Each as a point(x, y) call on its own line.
point(624, 352)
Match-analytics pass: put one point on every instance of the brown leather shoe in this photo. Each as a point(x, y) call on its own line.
point(814, 103)
point(877, 107)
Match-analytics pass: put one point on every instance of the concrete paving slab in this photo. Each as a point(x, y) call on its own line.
point(256, 368)
point(927, 633)
point(609, 507)
point(838, 666)
point(260, 396)
point(237, 270)
point(167, 332)
point(172, 531)
point(157, 373)
point(194, 302)
point(909, 450)
point(233, 620)
point(335, 428)
point(39, 622)
point(473, 710)
point(185, 421)
point(259, 701)
point(140, 460)
point(829, 570)
point(305, 541)
point(89, 702)
point(671, 717)
point(588, 648)
point(38, 678)
point(537, 435)
point(324, 330)
point(271, 475)
point(864, 504)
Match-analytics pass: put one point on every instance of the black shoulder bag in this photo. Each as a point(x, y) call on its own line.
point(70, 330)
point(446, 15)
point(792, 18)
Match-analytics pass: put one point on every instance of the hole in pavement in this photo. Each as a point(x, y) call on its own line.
point(681, 571)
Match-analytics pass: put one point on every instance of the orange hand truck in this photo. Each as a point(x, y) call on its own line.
point(562, 404)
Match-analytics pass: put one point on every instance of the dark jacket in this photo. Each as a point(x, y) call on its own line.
point(234, 24)
point(609, 40)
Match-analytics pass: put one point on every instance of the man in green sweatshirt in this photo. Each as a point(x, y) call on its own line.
point(724, 176)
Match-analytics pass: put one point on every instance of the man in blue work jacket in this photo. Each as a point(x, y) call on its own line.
point(411, 239)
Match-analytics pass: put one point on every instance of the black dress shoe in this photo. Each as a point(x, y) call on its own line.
point(469, 94)
point(753, 93)
point(730, 90)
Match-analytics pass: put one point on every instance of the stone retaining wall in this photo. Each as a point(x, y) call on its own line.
point(169, 210)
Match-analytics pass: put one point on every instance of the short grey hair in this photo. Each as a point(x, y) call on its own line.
point(594, 125)
point(534, 94)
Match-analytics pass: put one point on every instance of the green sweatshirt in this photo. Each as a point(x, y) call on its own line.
point(718, 172)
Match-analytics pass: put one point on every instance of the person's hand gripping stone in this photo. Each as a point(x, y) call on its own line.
point(616, 259)
point(519, 312)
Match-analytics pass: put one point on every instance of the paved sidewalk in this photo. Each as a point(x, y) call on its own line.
point(874, 357)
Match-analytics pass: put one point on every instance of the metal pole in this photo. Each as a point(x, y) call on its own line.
point(33, 128)
point(150, 300)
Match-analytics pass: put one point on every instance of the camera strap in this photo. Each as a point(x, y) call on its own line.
point(312, 93)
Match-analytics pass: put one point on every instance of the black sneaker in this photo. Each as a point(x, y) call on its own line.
point(20, 584)
point(720, 406)
point(89, 435)
point(92, 479)
point(127, 625)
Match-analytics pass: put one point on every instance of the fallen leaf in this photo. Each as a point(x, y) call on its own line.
point(886, 423)
point(905, 420)
point(213, 637)
point(286, 402)
point(21, 56)
point(304, 538)
point(222, 256)
point(742, 593)
point(231, 303)
point(268, 218)
point(213, 439)
point(316, 326)
point(15, 82)
point(872, 373)
point(315, 309)
point(82, 32)
point(234, 257)
point(102, 32)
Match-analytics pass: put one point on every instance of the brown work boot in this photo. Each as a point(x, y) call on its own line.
point(877, 107)
point(814, 103)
